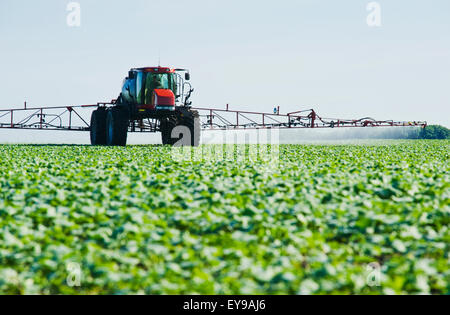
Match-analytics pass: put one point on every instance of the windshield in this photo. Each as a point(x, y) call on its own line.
point(152, 81)
point(159, 80)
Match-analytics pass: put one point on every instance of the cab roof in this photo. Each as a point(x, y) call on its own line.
point(155, 69)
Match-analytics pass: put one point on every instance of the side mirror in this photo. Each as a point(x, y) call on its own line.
point(131, 74)
point(187, 76)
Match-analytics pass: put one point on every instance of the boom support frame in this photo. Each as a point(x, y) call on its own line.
point(70, 118)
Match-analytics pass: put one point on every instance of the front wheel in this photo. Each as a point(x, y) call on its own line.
point(191, 120)
point(182, 129)
point(117, 122)
point(98, 127)
point(166, 126)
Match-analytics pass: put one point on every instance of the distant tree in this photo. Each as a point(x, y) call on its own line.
point(434, 132)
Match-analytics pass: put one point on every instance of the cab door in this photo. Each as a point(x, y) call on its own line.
point(140, 89)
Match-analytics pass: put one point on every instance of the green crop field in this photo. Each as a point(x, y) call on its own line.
point(358, 219)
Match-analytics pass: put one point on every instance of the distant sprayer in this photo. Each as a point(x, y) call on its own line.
point(157, 99)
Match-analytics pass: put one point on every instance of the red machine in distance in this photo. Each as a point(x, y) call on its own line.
point(157, 99)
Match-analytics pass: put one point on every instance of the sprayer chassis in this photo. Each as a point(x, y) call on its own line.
point(74, 118)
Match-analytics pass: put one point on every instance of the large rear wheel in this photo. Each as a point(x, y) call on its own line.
point(117, 122)
point(98, 127)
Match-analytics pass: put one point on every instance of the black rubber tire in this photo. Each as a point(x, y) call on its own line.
point(117, 121)
point(186, 118)
point(166, 126)
point(191, 119)
point(98, 127)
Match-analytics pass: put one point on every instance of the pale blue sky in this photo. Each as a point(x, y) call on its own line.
point(251, 54)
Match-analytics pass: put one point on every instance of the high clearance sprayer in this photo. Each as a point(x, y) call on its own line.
point(157, 99)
